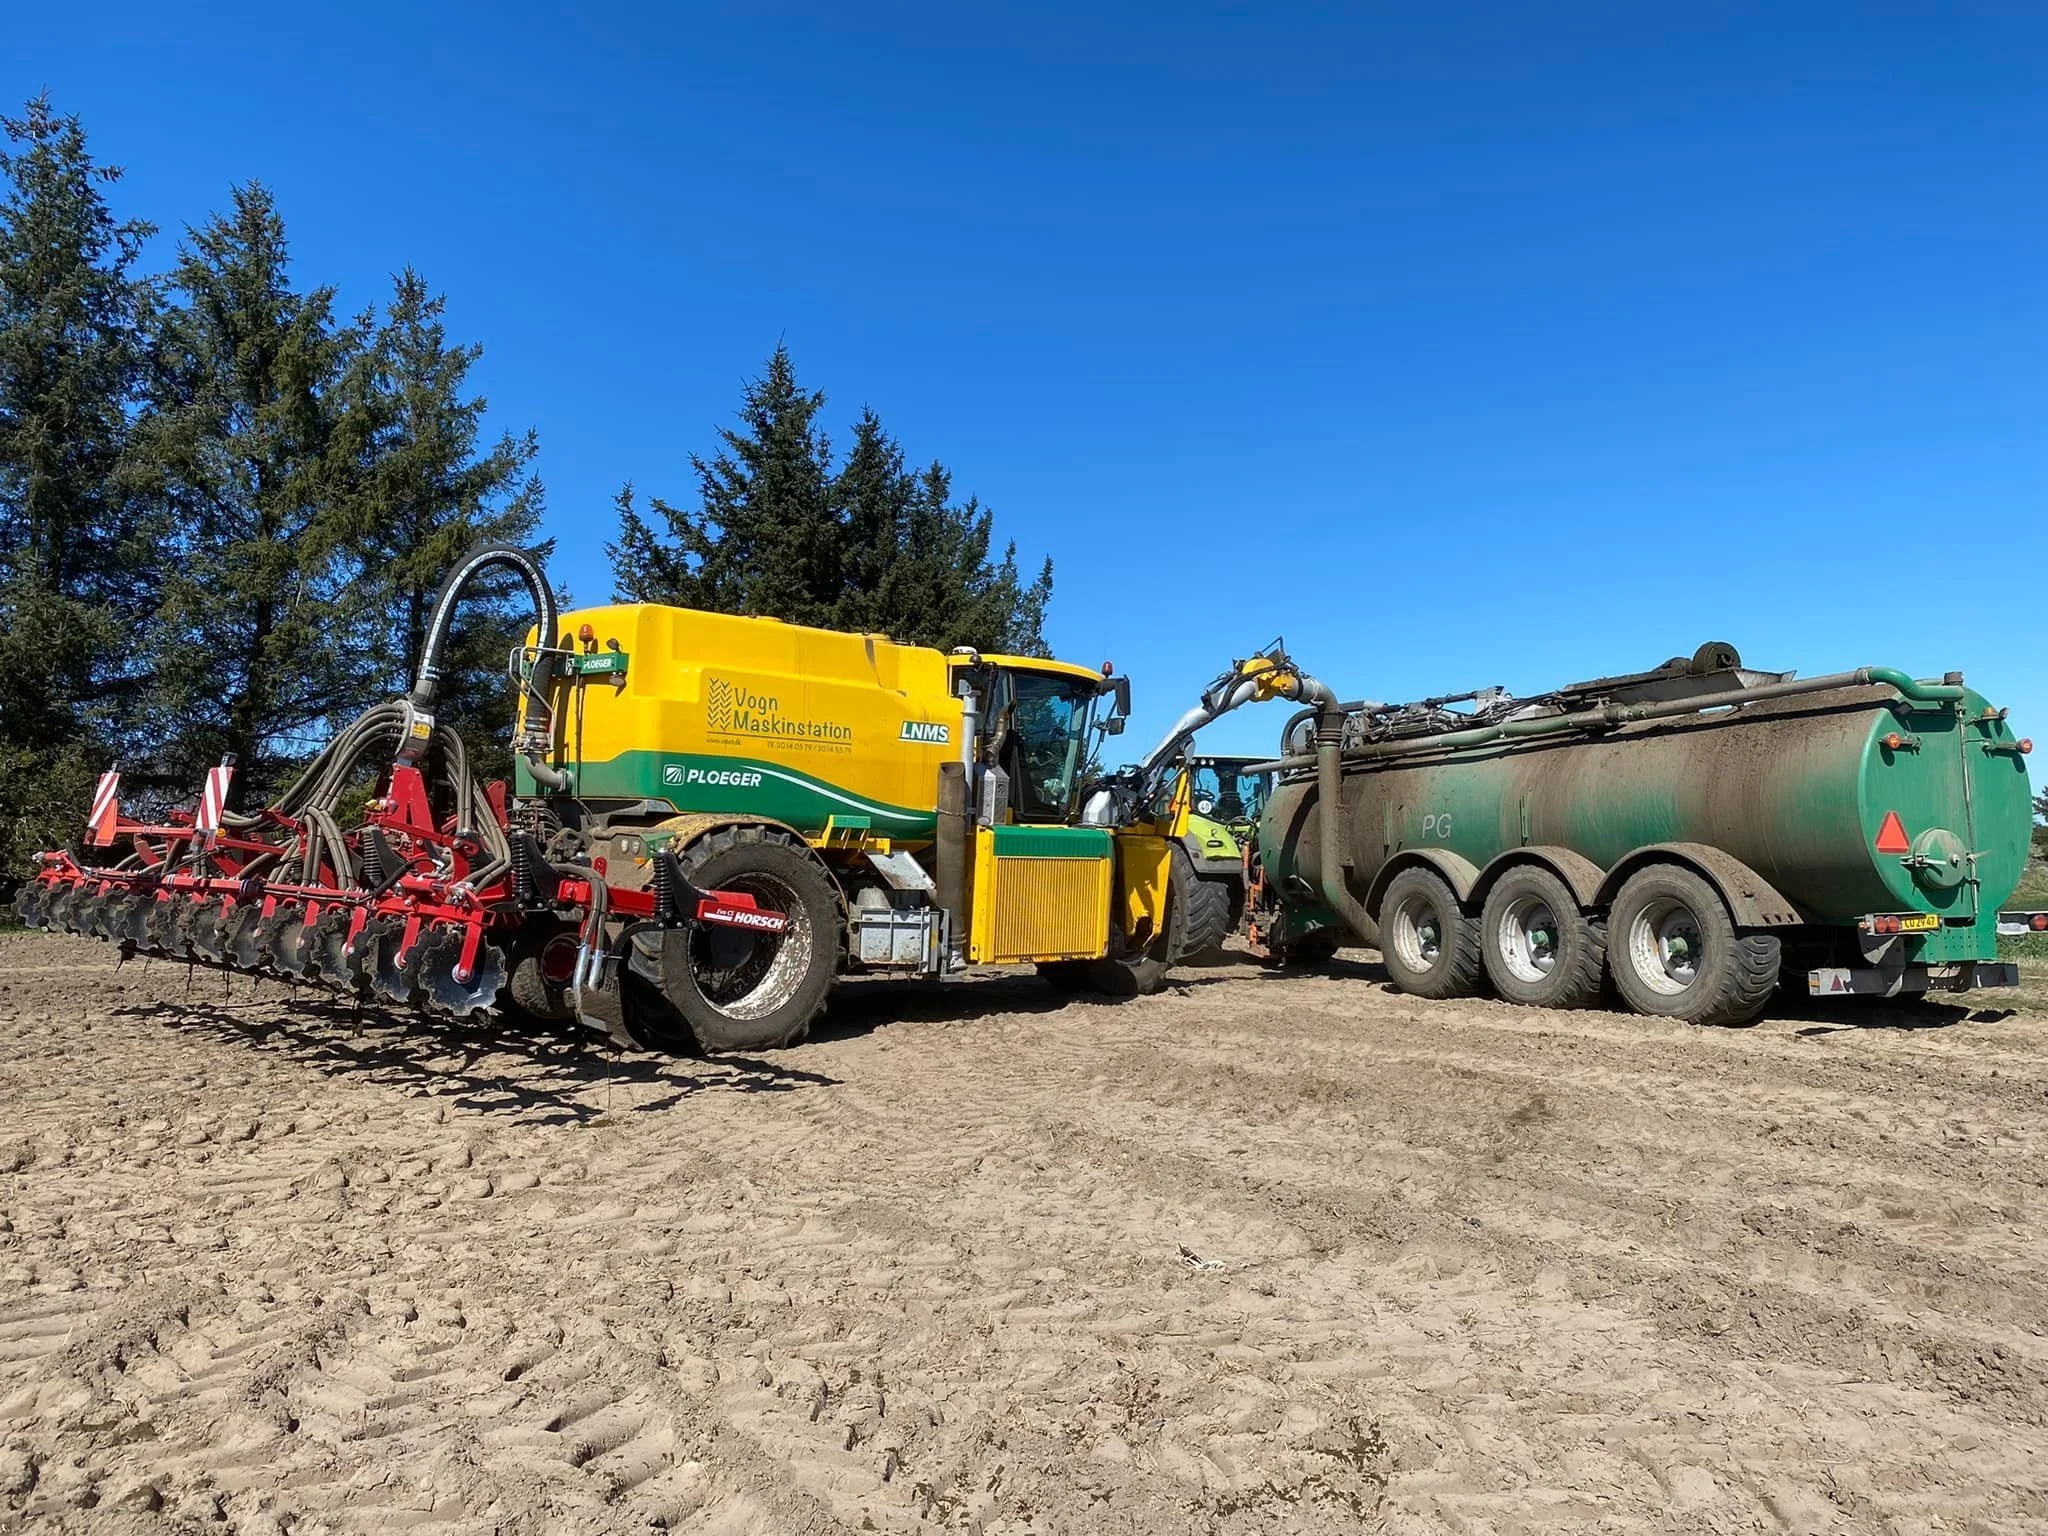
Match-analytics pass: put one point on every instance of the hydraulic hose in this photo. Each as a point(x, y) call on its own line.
point(540, 717)
point(1623, 714)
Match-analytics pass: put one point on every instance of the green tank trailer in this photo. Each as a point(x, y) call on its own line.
point(1692, 836)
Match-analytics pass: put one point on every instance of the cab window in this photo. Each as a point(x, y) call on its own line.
point(1047, 743)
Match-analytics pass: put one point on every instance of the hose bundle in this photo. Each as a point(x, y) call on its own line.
point(314, 797)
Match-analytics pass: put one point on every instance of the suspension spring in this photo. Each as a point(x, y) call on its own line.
point(667, 888)
point(525, 890)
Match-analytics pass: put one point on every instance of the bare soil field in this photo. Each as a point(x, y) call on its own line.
point(1263, 1253)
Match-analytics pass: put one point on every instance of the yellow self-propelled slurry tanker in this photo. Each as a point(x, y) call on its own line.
point(902, 810)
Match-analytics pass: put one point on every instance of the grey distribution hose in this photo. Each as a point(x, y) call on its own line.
point(312, 799)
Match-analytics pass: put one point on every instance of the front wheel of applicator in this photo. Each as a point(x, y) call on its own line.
point(1140, 971)
point(542, 966)
point(742, 987)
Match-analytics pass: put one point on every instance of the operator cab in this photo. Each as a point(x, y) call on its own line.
point(1222, 789)
point(1040, 724)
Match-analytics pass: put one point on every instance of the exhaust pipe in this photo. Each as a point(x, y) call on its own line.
point(953, 858)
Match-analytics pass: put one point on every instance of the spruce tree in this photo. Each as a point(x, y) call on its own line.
point(918, 566)
point(944, 586)
point(253, 642)
point(868, 546)
point(425, 489)
point(72, 583)
point(765, 537)
point(876, 496)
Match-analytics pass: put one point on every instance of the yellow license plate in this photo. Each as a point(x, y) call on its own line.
point(1920, 922)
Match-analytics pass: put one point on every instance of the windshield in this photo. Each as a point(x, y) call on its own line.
point(1047, 744)
point(1225, 792)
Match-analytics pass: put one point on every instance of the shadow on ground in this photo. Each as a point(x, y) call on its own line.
point(550, 1077)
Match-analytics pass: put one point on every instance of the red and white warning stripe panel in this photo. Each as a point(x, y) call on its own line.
point(106, 808)
point(213, 800)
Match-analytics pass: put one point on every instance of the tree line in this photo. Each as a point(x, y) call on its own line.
point(226, 504)
point(786, 528)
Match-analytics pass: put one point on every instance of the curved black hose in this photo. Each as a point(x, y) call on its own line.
point(540, 710)
point(526, 564)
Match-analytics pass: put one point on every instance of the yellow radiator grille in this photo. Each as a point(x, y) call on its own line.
point(1050, 909)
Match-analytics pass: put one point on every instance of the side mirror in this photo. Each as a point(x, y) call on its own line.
point(1113, 725)
point(1120, 695)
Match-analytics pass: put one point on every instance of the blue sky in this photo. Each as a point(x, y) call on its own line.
point(1461, 345)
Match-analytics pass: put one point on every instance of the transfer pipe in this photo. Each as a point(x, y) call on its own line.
point(1608, 715)
point(1330, 814)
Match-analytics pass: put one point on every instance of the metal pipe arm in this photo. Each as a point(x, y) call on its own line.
point(1269, 675)
point(1610, 715)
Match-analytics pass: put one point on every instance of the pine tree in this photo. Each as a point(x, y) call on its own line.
point(765, 537)
point(877, 498)
point(71, 585)
point(424, 493)
point(918, 565)
point(869, 546)
point(252, 642)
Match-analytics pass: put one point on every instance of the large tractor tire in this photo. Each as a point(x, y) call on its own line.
point(1141, 972)
point(740, 991)
point(1674, 950)
point(1208, 906)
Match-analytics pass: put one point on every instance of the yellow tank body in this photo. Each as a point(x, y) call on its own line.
point(711, 712)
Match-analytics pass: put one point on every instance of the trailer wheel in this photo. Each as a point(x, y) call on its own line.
point(1430, 946)
point(743, 991)
point(1541, 950)
point(1674, 950)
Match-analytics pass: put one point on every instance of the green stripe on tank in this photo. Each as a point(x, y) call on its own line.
point(740, 786)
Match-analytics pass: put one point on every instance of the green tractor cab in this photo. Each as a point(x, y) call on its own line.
point(1224, 802)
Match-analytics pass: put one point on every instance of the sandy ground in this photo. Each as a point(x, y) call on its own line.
point(1261, 1254)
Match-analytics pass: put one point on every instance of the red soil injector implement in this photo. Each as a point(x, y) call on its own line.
point(427, 901)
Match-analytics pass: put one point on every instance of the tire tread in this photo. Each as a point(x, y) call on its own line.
point(1742, 989)
point(1208, 914)
point(1461, 963)
point(1585, 948)
point(752, 834)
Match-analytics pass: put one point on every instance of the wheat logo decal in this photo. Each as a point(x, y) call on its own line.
point(718, 704)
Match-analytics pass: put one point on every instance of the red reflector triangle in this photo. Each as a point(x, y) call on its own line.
point(1891, 835)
